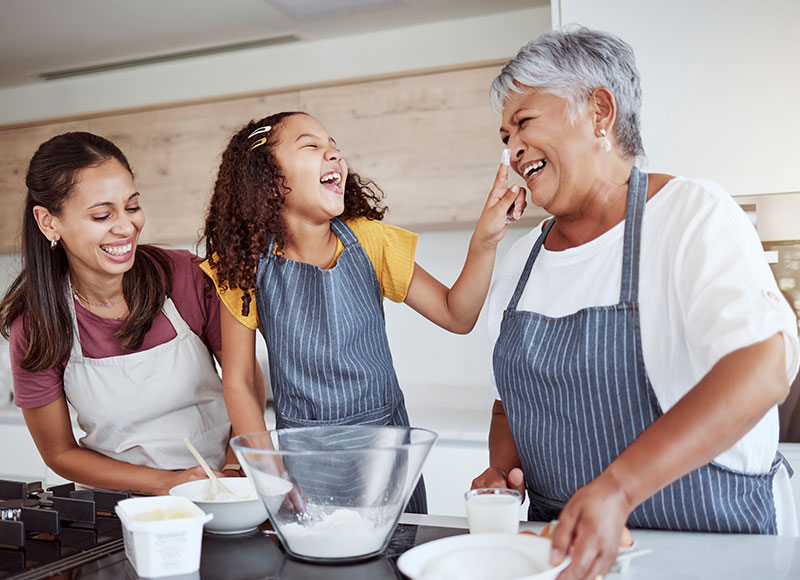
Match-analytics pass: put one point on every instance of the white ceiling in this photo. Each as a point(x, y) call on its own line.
point(46, 36)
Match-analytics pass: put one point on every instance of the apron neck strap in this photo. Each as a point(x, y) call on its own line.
point(169, 309)
point(634, 211)
point(343, 232)
point(340, 229)
point(526, 271)
point(76, 343)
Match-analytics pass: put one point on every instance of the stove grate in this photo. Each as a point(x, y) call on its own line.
point(73, 561)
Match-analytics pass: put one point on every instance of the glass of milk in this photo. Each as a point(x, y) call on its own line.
point(493, 510)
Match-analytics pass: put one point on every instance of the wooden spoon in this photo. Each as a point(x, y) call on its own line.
point(217, 486)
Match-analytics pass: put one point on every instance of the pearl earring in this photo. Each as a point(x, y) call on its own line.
point(605, 143)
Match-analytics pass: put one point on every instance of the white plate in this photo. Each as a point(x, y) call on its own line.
point(481, 557)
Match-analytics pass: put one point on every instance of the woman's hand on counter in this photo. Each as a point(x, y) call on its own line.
point(589, 529)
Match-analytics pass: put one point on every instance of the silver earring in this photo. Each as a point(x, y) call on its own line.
point(605, 142)
point(53, 244)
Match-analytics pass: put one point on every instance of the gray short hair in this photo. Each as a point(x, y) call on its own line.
point(570, 64)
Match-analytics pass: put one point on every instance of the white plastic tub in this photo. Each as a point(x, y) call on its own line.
point(162, 547)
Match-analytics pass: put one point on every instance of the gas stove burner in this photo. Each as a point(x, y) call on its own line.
point(43, 532)
point(11, 509)
point(10, 515)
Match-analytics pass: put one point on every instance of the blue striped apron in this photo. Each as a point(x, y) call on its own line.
point(329, 357)
point(576, 393)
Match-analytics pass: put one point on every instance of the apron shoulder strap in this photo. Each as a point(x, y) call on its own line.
point(77, 351)
point(343, 232)
point(526, 271)
point(634, 212)
point(171, 312)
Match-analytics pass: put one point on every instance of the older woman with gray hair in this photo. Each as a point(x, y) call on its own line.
point(641, 344)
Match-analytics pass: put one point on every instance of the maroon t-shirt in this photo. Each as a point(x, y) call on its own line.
point(197, 304)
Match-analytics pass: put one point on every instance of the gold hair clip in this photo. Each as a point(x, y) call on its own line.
point(261, 141)
point(258, 143)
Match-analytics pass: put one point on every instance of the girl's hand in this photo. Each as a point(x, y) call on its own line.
point(503, 206)
point(589, 529)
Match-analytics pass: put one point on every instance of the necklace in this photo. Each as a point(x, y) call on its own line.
point(79, 296)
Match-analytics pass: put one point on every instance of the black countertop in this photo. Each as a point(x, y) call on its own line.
point(256, 556)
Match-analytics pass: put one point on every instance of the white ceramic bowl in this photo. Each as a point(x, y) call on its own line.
point(481, 557)
point(230, 516)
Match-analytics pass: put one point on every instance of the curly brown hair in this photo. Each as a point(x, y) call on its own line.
point(244, 214)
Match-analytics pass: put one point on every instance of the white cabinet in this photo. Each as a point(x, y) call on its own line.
point(791, 451)
point(449, 471)
point(19, 458)
point(459, 455)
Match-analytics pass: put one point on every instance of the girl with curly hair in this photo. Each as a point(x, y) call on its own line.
point(296, 248)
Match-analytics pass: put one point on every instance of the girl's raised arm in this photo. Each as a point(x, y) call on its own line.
point(456, 309)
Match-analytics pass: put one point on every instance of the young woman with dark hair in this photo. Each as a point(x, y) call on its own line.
point(124, 333)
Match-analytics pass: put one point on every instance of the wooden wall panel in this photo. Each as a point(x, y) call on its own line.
point(429, 140)
point(175, 154)
point(16, 148)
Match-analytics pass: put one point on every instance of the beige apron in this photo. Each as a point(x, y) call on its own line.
point(139, 407)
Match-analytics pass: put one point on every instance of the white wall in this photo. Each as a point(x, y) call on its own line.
point(720, 81)
point(434, 367)
point(9, 268)
point(440, 44)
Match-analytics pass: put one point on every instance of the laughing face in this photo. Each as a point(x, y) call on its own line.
point(547, 150)
point(100, 222)
point(313, 167)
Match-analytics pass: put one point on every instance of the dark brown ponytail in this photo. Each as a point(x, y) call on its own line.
point(40, 291)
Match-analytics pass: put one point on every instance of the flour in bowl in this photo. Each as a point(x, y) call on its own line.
point(342, 533)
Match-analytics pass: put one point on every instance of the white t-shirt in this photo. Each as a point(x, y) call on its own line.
point(705, 290)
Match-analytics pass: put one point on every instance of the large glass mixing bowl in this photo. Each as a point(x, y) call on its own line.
point(334, 493)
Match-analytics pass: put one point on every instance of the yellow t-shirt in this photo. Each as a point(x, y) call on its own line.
point(390, 249)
